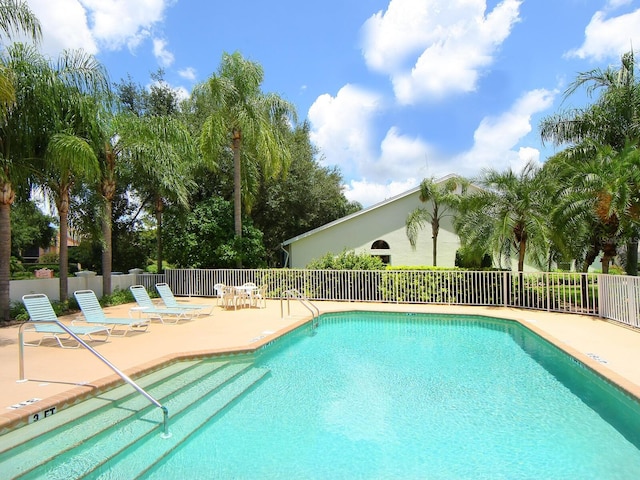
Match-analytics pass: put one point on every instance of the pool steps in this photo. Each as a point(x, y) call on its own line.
point(122, 412)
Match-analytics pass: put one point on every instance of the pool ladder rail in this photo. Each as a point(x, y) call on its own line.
point(296, 295)
point(121, 374)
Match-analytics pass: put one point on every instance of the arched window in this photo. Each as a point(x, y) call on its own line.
point(380, 245)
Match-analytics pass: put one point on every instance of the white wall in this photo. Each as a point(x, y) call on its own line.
point(51, 286)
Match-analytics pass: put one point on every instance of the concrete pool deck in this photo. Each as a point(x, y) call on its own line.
point(62, 377)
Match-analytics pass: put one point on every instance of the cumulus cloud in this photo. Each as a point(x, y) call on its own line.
point(369, 193)
point(609, 37)
point(188, 73)
point(64, 25)
point(96, 25)
point(341, 125)
point(165, 57)
point(496, 137)
point(433, 48)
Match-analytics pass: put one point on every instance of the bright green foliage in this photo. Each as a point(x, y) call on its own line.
point(605, 132)
point(347, 260)
point(240, 117)
point(308, 197)
point(509, 217)
point(204, 238)
point(29, 227)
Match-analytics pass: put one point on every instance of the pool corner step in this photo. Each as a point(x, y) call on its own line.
point(131, 413)
point(155, 447)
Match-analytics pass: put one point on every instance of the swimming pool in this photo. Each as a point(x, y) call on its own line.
point(375, 395)
point(379, 395)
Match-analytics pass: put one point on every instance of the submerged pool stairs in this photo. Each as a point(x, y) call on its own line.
point(96, 445)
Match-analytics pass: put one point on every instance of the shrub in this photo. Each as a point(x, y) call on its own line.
point(118, 297)
point(49, 258)
point(347, 260)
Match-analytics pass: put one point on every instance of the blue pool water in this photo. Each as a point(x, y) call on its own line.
point(379, 396)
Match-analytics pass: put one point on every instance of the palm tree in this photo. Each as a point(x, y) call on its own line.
point(614, 120)
point(600, 191)
point(248, 122)
point(161, 153)
point(73, 83)
point(15, 17)
point(444, 198)
point(508, 216)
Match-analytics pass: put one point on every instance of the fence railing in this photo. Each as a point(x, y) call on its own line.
point(620, 299)
point(561, 292)
point(615, 297)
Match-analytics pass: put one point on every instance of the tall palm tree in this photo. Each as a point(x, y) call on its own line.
point(247, 121)
point(15, 17)
point(161, 152)
point(508, 216)
point(444, 198)
point(73, 83)
point(614, 120)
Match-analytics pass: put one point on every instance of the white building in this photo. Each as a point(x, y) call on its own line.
point(378, 230)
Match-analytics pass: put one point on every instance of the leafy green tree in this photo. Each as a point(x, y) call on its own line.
point(30, 227)
point(508, 216)
point(311, 196)
point(249, 122)
point(15, 18)
point(444, 199)
point(204, 237)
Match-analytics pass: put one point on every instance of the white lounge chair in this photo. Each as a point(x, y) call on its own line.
point(165, 315)
point(93, 313)
point(170, 301)
point(41, 313)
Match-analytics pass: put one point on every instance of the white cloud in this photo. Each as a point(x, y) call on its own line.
point(369, 193)
point(165, 57)
point(341, 125)
point(188, 73)
point(95, 25)
point(434, 48)
point(64, 25)
point(609, 37)
point(115, 22)
point(496, 137)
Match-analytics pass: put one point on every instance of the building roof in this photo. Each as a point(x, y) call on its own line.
point(361, 212)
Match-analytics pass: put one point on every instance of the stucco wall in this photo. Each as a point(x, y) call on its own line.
point(386, 222)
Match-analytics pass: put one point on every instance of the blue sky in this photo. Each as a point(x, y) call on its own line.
point(395, 90)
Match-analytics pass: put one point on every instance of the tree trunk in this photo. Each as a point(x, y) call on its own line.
point(237, 184)
point(609, 250)
point(63, 212)
point(435, 230)
point(108, 192)
point(159, 208)
point(521, 254)
point(7, 196)
point(632, 257)
point(237, 188)
point(107, 249)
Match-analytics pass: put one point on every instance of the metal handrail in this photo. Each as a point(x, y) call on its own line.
point(165, 410)
point(293, 293)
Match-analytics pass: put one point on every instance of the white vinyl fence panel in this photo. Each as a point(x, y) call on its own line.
point(615, 297)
